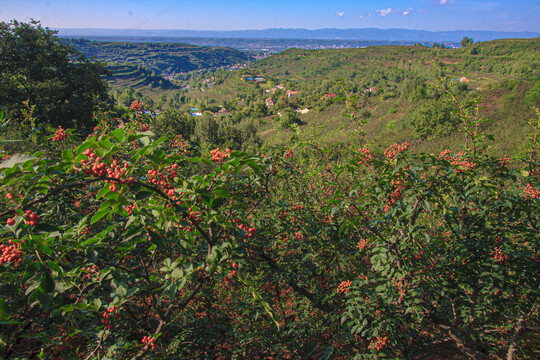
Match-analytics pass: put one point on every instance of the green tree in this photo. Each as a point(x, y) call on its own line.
point(466, 42)
point(40, 68)
point(288, 118)
point(172, 122)
point(435, 118)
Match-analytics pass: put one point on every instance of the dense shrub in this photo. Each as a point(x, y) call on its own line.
point(128, 246)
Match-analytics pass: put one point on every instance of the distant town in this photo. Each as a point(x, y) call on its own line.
point(266, 47)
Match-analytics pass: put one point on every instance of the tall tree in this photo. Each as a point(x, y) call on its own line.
point(466, 42)
point(38, 67)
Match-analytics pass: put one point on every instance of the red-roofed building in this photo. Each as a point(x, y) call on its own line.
point(292, 93)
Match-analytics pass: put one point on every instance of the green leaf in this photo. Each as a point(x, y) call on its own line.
point(102, 192)
point(141, 195)
point(44, 228)
point(99, 215)
point(121, 291)
point(159, 241)
point(67, 156)
point(428, 206)
point(117, 134)
point(4, 310)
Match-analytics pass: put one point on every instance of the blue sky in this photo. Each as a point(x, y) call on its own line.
point(434, 15)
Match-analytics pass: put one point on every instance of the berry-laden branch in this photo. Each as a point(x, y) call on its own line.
point(83, 183)
point(299, 289)
point(165, 318)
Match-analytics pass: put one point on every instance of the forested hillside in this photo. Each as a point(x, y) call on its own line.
point(161, 58)
point(402, 93)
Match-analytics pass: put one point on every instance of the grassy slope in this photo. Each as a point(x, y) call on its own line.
point(502, 71)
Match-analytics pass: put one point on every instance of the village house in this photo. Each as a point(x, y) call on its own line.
point(270, 102)
point(302, 111)
point(222, 112)
point(292, 93)
point(280, 87)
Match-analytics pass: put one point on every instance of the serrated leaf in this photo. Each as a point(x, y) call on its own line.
point(99, 215)
point(117, 134)
point(67, 156)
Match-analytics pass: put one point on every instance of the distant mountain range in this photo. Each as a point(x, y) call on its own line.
point(326, 34)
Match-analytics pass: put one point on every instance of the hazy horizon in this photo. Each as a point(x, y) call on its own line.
point(234, 15)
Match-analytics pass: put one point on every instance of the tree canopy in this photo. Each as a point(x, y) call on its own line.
point(37, 67)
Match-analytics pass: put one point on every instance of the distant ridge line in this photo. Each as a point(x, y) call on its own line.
point(318, 34)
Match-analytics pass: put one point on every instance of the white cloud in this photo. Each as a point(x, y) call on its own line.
point(384, 12)
point(340, 14)
point(361, 16)
point(394, 11)
point(443, 2)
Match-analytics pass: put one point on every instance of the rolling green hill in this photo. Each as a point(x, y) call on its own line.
point(162, 58)
point(399, 91)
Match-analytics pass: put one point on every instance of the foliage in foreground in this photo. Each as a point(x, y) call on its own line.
point(41, 73)
point(127, 246)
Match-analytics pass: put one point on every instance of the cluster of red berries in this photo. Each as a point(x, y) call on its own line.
point(344, 287)
point(148, 341)
point(378, 343)
point(399, 185)
point(86, 230)
point(498, 255)
point(395, 150)
point(11, 253)
point(297, 207)
point(127, 258)
point(365, 156)
point(60, 135)
point(31, 218)
point(249, 231)
point(289, 154)
point(458, 159)
point(93, 166)
point(194, 216)
point(401, 286)
point(179, 142)
point(116, 171)
point(218, 155)
point(136, 106)
point(129, 208)
point(362, 243)
point(90, 272)
point(529, 192)
point(106, 316)
point(232, 274)
point(504, 161)
point(164, 179)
